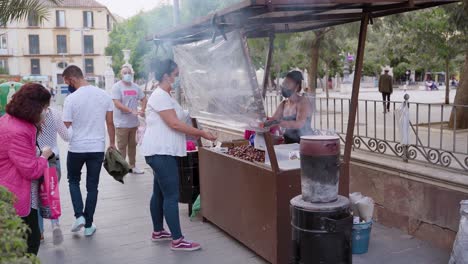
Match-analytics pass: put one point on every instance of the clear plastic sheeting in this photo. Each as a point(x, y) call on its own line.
point(404, 121)
point(460, 247)
point(220, 83)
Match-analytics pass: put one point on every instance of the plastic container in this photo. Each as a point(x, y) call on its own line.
point(283, 152)
point(361, 237)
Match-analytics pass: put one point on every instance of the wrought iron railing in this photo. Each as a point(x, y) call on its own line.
point(430, 137)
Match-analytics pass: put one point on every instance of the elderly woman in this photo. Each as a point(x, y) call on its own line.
point(21, 162)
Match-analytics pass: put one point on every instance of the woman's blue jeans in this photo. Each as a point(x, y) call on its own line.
point(165, 198)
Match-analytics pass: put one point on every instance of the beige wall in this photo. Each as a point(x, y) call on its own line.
point(17, 52)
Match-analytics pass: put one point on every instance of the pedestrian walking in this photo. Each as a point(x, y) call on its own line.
point(52, 126)
point(22, 164)
point(386, 89)
point(126, 95)
point(86, 111)
point(164, 140)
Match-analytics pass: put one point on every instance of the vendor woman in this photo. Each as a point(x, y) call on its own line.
point(293, 115)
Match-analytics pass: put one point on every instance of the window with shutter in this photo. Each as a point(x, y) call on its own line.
point(61, 44)
point(89, 66)
point(60, 18)
point(35, 67)
point(88, 19)
point(33, 44)
point(33, 20)
point(89, 44)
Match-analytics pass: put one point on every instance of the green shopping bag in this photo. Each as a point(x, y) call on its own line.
point(196, 207)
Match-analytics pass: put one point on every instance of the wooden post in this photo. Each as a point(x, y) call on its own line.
point(344, 181)
point(266, 77)
point(270, 151)
point(195, 125)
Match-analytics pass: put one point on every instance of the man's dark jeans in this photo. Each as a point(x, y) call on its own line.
point(75, 162)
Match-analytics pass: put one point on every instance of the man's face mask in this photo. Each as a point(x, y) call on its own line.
point(127, 77)
point(71, 89)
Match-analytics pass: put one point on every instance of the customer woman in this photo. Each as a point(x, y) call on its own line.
point(21, 163)
point(293, 115)
point(50, 128)
point(164, 140)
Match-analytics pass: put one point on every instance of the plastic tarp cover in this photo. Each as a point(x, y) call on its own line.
point(460, 247)
point(404, 121)
point(219, 82)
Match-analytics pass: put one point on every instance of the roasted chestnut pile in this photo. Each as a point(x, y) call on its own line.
point(247, 153)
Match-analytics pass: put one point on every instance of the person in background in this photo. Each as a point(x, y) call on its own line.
point(21, 162)
point(293, 115)
point(126, 96)
point(164, 140)
point(87, 110)
point(386, 89)
point(52, 126)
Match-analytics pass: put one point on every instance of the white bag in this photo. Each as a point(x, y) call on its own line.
point(354, 198)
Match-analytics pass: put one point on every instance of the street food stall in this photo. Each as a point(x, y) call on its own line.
point(242, 193)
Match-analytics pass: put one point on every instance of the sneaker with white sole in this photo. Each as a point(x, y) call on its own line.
point(89, 231)
point(161, 236)
point(184, 245)
point(137, 171)
point(79, 223)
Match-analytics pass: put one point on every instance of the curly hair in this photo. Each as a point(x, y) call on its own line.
point(27, 104)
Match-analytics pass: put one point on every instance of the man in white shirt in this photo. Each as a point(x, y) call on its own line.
point(87, 111)
point(126, 96)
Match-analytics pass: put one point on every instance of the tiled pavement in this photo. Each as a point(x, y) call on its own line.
point(124, 228)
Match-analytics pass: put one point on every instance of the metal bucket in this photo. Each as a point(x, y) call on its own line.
point(320, 159)
point(321, 232)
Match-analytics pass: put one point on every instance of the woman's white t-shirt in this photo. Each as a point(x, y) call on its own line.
point(159, 138)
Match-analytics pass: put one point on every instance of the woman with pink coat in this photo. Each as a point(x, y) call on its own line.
point(21, 162)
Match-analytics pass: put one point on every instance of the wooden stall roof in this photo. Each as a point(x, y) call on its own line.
point(259, 18)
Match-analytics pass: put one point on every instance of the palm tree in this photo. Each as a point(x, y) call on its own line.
point(13, 10)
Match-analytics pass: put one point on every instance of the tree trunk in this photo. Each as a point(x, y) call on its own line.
point(459, 116)
point(447, 81)
point(314, 59)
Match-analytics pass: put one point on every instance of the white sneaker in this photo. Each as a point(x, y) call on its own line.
point(137, 171)
point(57, 236)
point(89, 231)
point(79, 223)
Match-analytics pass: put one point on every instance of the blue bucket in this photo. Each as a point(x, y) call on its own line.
point(361, 237)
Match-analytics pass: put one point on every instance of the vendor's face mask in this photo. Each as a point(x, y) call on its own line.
point(287, 90)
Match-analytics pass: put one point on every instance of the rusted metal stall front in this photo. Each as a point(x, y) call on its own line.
point(250, 201)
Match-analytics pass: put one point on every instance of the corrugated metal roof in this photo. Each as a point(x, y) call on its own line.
point(260, 18)
point(75, 3)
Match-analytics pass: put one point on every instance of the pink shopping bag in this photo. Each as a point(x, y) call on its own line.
point(49, 195)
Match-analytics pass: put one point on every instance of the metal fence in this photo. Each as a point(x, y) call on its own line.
point(430, 138)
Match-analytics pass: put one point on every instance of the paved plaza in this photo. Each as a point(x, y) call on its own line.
point(124, 228)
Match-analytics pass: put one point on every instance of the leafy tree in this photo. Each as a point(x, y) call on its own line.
point(459, 19)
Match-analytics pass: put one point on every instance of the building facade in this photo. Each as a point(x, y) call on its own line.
point(75, 33)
